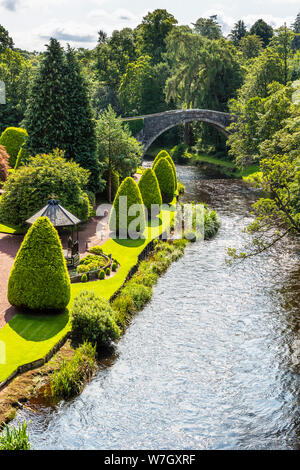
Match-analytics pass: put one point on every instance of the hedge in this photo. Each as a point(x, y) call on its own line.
point(12, 139)
point(23, 156)
point(161, 154)
point(166, 180)
point(120, 217)
point(150, 190)
point(39, 278)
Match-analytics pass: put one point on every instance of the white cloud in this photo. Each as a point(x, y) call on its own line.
point(120, 18)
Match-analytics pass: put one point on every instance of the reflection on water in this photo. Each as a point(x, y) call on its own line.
point(211, 363)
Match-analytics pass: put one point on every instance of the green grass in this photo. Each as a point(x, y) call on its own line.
point(214, 161)
point(28, 338)
point(11, 229)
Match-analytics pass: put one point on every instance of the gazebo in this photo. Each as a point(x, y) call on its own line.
point(60, 217)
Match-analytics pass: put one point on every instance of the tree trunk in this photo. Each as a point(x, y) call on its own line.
point(187, 133)
point(109, 185)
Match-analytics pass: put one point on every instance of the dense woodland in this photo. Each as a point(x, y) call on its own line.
point(72, 100)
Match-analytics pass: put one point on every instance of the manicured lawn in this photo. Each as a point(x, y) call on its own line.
point(10, 229)
point(28, 338)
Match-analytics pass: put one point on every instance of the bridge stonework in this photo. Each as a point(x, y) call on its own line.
point(156, 124)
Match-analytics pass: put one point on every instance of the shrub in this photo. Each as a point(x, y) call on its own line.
point(101, 275)
point(114, 267)
point(92, 319)
point(173, 168)
point(96, 249)
point(70, 379)
point(150, 190)
point(130, 189)
point(12, 139)
point(28, 189)
point(211, 224)
point(107, 272)
point(4, 166)
point(39, 278)
point(23, 157)
point(180, 188)
point(139, 293)
point(84, 278)
point(15, 438)
point(123, 306)
point(166, 180)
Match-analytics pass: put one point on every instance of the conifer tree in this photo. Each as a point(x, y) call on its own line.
point(150, 190)
point(39, 278)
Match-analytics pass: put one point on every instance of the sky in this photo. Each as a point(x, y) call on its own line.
point(32, 22)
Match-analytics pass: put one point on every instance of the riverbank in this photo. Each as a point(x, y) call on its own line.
point(162, 254)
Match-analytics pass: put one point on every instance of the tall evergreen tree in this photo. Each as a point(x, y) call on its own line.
point(81, 141)
point(238, 32)
point(296, 29)
point(46, 116)
point(263, 30)
point(58, 113)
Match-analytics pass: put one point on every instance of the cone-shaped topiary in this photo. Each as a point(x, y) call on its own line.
point(12, 139)
point(121, 216)
point(165, 176)
point(165, 154)
point(150, 190)
point(39, 278)
point(161, 154)
point(4, 166)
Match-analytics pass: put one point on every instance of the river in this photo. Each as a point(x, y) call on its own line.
point(213, 360)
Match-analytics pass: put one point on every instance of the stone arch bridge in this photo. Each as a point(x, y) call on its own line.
point(157, 124)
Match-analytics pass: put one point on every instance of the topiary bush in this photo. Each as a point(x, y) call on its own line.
point(174, 169)
point(120, 217)
point(92, 319)
point(150, 190)
point(166, 180)
point(84, 278)
point(39, 278)
point(28, 189)
point(101, 275)
point(165, 154)
point(161, 154)
point(12, 139)
point(23, 156)
point(107, 272)
point(114, 267)
point(4, 165)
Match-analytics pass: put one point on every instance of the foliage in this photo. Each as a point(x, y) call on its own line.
point(23, 156)
point(92, 319)
point(263, 30)
point(152, 34)
point(12, 139)
point(15, 438)
point(107, 271)
point(84, 278)
point(102, 275)
point(296, 30)
point(117, 149)
point(69, 381)
point(238, 32)
point(16, 73)
point(135, 125)
point(58, 113)
point(6, 41)
point(96, 249)
point(279, 212)
point(142, 87)
point(150, 190)
point(39, 278)
point(208, 27)
point(4, 165)
point(165, 177)
point(29, 188)
point(121, 217)
point(251, 46)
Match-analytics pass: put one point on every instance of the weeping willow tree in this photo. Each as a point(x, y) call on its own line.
point(205, 74)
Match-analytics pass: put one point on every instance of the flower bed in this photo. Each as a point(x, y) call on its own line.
point(91, 266)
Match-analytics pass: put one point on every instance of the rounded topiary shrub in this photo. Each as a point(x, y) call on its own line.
point(84, 278)
point(101, 275)
point(170, 160)
point(39, 278)
point(12, 139)
point(92, 319)
point(165, 154)
point(150, 190)
point(165, 176)
point(4, 166)
point(107, 272)
point(122, 213)
point(114, 267)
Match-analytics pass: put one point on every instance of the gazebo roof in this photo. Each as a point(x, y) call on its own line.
point(58, 215)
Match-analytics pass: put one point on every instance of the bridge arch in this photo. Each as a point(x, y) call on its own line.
point(157, 124)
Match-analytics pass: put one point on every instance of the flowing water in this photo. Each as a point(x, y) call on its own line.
point(213, 360)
